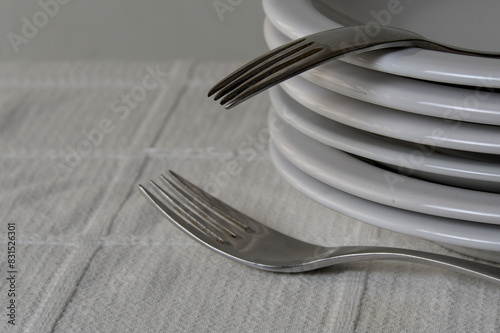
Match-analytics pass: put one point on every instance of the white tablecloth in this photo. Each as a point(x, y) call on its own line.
point(93, 256)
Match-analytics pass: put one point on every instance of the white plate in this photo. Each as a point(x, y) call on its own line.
point(393, 123)
point(470, 171)
point(445, 21)
point(415, 96)
point(349, 174)
point(481, 240)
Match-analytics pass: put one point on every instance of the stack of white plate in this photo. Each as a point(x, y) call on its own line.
point(404, 139)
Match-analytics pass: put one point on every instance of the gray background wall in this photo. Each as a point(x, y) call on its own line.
point(33, 30)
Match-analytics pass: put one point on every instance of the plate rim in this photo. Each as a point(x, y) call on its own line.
point(392, 123)
point(399, 93)
point(290, 17)
point(455, 232)
point(349, 174)
point(287, 109)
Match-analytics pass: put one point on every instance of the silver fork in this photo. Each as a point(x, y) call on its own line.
point(239, 237)
point(307, 52)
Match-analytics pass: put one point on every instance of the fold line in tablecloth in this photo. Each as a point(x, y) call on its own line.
point(75, 289)
point(362, 296)
point(91, 235)
point(154, 108)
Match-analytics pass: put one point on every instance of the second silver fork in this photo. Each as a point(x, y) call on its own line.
point(310, 51)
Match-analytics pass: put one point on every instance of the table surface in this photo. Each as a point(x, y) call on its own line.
point(93, 256)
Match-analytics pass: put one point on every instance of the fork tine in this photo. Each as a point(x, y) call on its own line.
point(221, 84)
point(258, 68)
point(211, 203)
point(189, 214)
point(201, 212)
point(179, 222)
point(273, 76)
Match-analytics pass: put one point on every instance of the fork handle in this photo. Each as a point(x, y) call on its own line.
point(472, 268)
